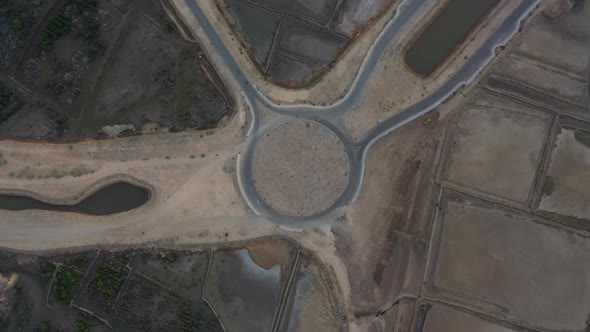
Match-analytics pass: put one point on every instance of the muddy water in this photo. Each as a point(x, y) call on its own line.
point(115, 198)
point(445, 33)
point(255, 290)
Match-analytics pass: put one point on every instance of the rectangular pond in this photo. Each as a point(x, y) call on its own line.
point(445, 33)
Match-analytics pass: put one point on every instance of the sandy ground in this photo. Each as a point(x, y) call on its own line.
point(546, 39)
point(300, 168)
point(559, 83)
point(522, 256)
point(569, 171)
point(496, 151)
point(547, 65)
point(377, 241)
point(192, 178)
point(440, 318)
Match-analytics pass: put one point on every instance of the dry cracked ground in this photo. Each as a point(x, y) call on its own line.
point(474, 217)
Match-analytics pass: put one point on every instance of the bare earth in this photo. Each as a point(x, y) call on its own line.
point(522, 256)
point(300, 168)
point(569, 172)
point(441, 318)
point(504, 145)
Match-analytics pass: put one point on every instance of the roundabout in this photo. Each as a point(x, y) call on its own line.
point(300, 168)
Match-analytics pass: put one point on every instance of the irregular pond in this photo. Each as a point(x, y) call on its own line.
point(244, 294)
point(447, 31)
point(115, 198)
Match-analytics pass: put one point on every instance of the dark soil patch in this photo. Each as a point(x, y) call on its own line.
point(90, 64)
point(548, 186)
point(582, 137)
point(18, 19)
point(26, 116)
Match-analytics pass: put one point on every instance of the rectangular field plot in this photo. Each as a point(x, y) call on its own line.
point(100, 289)
point(183, 272)
point(566, 190)
point(543, 78)
point(315, 10)
point(495, 151)
point(546, 40)
point(305, 40)
point(144, 303)
point(440, 318)
point(257, 25)
point(530, 271)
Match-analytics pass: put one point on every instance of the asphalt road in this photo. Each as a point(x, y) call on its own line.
point(327, 115)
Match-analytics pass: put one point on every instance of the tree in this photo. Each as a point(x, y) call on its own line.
point(17, 24)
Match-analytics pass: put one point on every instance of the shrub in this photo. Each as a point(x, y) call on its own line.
point(107, 279)
point(65, 281)
point(17, 24)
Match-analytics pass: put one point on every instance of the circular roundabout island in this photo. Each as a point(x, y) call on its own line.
point(300, 168)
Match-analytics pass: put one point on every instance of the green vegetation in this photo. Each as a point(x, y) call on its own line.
point(61, 120)
point(107, 279)
point(79, 263)
point(19, 15)
point(3, 160)
point(4, 323)
point(17, 24)
point(58, 27)
point(201, 322)
point(88, 27)
point(10, 102)
point(143, 304)
point(44, 326)
point(65, 281)
point(26, 317)
point(84, 322)
point(46, 268)
point(87, 4)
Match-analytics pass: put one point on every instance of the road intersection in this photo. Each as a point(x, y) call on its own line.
point(327, 116)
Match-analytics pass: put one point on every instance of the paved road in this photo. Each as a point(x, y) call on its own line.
point(327, 115)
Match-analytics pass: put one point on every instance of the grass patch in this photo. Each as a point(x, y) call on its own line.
point(45, 326)
point(107, 279)
point(65, 281)
point(84, 322)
